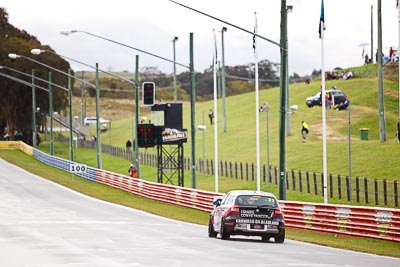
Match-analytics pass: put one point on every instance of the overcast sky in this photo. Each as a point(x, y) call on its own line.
point(151, 25)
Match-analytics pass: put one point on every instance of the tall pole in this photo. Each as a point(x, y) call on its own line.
point(223, 81)
point(82, 108)
point(175, 90)
point(398, 50)
point(219, 79)
point(349, 130)
point(137, 162)
point(268, 160)
point(288, 9)
point(324, 157)
point(257, 110)
point(70, 143)
point(282, 110)
point(51, 114)
point(215, 89)
point(33, 109)
point(204, 147)
point(192, 114)
point(382, 123)
point(372, 35)
point(98, 141)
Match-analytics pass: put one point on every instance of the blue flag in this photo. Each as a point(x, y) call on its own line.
point(254, 37)
point(321, 26)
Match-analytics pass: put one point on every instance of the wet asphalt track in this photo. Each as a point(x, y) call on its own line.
point(43, 224)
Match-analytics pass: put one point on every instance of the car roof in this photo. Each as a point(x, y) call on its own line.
point(251, 192)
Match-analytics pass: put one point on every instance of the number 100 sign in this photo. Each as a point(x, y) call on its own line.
point(77, 168)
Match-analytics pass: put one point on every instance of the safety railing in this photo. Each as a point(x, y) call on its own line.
point(379, 223)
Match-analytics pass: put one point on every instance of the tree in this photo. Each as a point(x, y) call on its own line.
point(15, 97)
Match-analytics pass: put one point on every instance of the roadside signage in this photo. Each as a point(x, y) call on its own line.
point(77, 168)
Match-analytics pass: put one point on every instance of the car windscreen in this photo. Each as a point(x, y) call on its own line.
point(255, 200)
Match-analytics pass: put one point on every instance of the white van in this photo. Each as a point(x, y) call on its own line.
point(89, 121)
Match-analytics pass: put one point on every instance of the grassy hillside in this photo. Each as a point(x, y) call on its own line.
point(371, 158)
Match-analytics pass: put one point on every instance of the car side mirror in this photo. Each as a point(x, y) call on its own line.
point(217, 202)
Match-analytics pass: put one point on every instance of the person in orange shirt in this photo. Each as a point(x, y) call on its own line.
point(132, 171)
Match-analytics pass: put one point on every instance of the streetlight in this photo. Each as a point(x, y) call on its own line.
point(289, 9)
point(283, 80)
point(15, 56)
point(224, 29)
point(33, 95)
point(38, 51)
point(192, 95)
point(265, 107)
point(69, 32)
point(98, 141)
point(33, 86)
point(175, 90)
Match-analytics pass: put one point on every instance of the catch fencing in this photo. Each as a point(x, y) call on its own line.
point(372, 222)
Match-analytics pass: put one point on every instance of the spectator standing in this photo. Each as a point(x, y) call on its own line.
point(128, 145)
point(38, 141)
point(211, 116)
point(391, 57)
point(398, 130)
point(327, 100)
point(304, 131)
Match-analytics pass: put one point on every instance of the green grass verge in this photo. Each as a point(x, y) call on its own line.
point(106, 193)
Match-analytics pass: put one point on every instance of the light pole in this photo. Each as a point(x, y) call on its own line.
point(283, 80)
point(51, 115)
point(192, 86)
point(265, 107)
point(224, 29)
point(381, 103)
point(34, 96)
point(137, 162)
point(15, 56)
point(98, 138)
point(71, 147)
point(33, 109)
point(33, 86)
point(282, 113)
point(289, 9)
point(175, 90)
point(98, 143)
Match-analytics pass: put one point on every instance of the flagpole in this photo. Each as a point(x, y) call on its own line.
point(398, 49)
point(257, 107)
point(215, 114)
point(322, 28)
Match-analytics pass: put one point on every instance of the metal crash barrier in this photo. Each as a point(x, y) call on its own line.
point(379, 223)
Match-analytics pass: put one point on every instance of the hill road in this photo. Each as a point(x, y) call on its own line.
point(45, 224)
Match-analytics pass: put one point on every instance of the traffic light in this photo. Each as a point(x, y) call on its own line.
point(146, 135)
point(149, 93)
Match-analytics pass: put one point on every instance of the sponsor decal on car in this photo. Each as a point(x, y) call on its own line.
point(256, 221)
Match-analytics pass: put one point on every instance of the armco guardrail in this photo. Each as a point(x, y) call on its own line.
point(379, 223)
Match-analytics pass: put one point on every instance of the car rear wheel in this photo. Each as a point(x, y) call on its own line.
point(223, 233)
point(211, 232)
point(280, 238)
